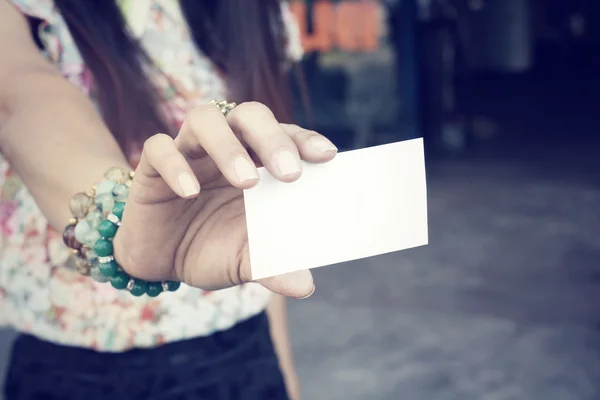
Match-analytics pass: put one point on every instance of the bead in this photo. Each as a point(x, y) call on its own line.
point(91, 238)
point(71, 262)
point(154, 289)
point(81, 231)
point(90, 255)
point(131, 174)
point(105, 187)
point(139, 287)
point(173, 286)
point(105, 203)
point(103, 248)
point(118, 209)
point(120, 192)
point(115, 174)
point(107, 229)
point(94, 218)
point(80, 205)
point(119, 280)
point(108, 269)
point(70, 239)
point(82, 266)
point(97, 276)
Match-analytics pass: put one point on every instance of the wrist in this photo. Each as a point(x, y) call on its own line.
point(92, 234)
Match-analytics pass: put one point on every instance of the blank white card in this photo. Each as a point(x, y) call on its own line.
point(363, 203)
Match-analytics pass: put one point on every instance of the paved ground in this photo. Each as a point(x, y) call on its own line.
point(502, 305)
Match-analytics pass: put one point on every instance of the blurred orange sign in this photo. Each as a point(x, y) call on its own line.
point(347, 25)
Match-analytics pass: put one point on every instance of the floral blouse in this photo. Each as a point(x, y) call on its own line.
point(40, 293)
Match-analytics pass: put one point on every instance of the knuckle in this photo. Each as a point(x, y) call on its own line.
point(197, 115)
point(253, 108)
point(296, 132)
point(159, 138)
point(156, 141)
point(303, 134)
point(295, 129)
point(161, 152)
point(292, 127)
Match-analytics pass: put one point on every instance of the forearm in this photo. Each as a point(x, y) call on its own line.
point(280, 335)
point(55, 140)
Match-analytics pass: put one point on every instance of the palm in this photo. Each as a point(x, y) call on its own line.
point(201, 241)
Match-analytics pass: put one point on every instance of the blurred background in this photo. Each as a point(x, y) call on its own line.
point(503, 303)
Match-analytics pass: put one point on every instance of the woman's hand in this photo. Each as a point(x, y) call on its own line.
point(185, 217)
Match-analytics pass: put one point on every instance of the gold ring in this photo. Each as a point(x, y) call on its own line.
point(224, 106)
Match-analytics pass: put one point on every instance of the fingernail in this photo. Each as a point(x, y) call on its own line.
point(321, 144)
point(245, 170)
point(287, 163)
point(189, 186)
point(308, 295)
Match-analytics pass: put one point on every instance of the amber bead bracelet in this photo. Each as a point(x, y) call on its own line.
point(96, 218)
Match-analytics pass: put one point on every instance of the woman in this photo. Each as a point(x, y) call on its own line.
point(85, 88)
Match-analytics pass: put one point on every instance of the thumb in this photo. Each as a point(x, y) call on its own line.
point(298, 284)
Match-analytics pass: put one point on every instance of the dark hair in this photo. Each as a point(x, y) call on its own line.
point(245, 39)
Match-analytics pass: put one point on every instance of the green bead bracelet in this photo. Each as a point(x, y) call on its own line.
point(109, 268)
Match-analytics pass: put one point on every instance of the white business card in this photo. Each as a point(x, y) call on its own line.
point(363, 203)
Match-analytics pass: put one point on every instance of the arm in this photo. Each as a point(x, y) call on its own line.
point(49, 131)
point(276, 312)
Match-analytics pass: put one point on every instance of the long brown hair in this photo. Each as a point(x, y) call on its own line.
point(244, 38)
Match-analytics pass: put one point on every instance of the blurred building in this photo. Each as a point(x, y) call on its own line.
point(384, 70)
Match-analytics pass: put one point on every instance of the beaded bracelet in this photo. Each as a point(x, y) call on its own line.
point(96, 218)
